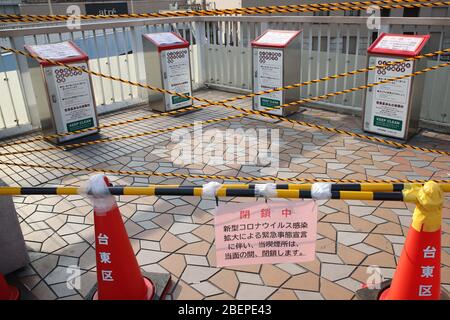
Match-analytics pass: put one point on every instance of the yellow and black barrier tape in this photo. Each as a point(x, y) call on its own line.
point(130, 136)
point(313, 99)
point(264, 114)
point(217, 177)
point(250, 95)
point(337, 192)
point(283, 9)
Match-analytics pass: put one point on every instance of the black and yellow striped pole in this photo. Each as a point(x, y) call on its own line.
point(369, 191)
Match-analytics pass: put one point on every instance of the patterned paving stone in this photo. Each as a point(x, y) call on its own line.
point(362, 247)
point(226, 280)
point(350, 238)
point(148, 256)
point(332, 291)
point(196, 274)
point(45, 265)
point(206, 289)
point(308, 295)
point(336, 272)
point(361, 211)
point(305, 281)
point(185, 292)
point(196, 260)
point(176, 235)
point(43, 292)
point(178, 228)
point(254, 292)
point(330, 258)
point(283, 294)
point(350, 284)
point(58, 275)
point(245, 277)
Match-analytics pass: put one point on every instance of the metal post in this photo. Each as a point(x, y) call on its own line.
point(25, 82)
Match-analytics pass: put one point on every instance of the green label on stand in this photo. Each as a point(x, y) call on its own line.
point(80, 124)
point(266, 102)
point(388, 123)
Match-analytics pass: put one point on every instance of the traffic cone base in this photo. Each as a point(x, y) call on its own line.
point(157, 285)
point(148, 284)
point(385, 293)
point(366, 293)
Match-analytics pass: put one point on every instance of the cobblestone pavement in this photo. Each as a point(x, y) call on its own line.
point(176, 234)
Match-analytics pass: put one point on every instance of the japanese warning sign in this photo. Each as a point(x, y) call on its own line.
point(387, 105)
point(258, 233)
point(269, 75)
point(72, 100)
point(175, 67)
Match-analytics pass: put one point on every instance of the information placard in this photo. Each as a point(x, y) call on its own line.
point(400, 43)
point(274, 232)
point(164, 38)
point(176, 71)
point(277, 38)
point(387, 105)
point(269, 75)
point(55, 51)
point(71, 100)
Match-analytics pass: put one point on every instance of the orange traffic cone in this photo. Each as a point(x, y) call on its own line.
point(418, 272)
point(8, 292)
point(118, 274)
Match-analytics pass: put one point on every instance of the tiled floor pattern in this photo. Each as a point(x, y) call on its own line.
point(176, 234)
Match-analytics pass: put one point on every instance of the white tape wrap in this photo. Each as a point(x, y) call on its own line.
point(321, 191)
point(98, 192)
point(266, 190)
point(209, 190)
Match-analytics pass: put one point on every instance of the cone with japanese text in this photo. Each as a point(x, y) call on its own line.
point(418, 271)
point(118, 273)
point(8, 292)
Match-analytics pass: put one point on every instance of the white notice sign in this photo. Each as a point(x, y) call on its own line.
point(55, 51)
point(164, 38)
point(177, 77)
point(269, 75)
point(71, 99)
point(399, 43)
point(276, 38)
point(387, 105)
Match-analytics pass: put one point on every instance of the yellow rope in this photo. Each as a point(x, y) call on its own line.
point(294, 8)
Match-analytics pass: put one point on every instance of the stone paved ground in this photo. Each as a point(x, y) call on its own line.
point(176, 235)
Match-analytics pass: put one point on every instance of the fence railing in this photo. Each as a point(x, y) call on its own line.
point(221, 57)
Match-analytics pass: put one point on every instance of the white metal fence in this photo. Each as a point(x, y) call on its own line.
point(220, 56)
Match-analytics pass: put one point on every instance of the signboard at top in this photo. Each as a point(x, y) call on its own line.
point(57, 51)
point(164, 38)
point(275, 38)
point(273, 232)
point(398, 44)
point(106, 8)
